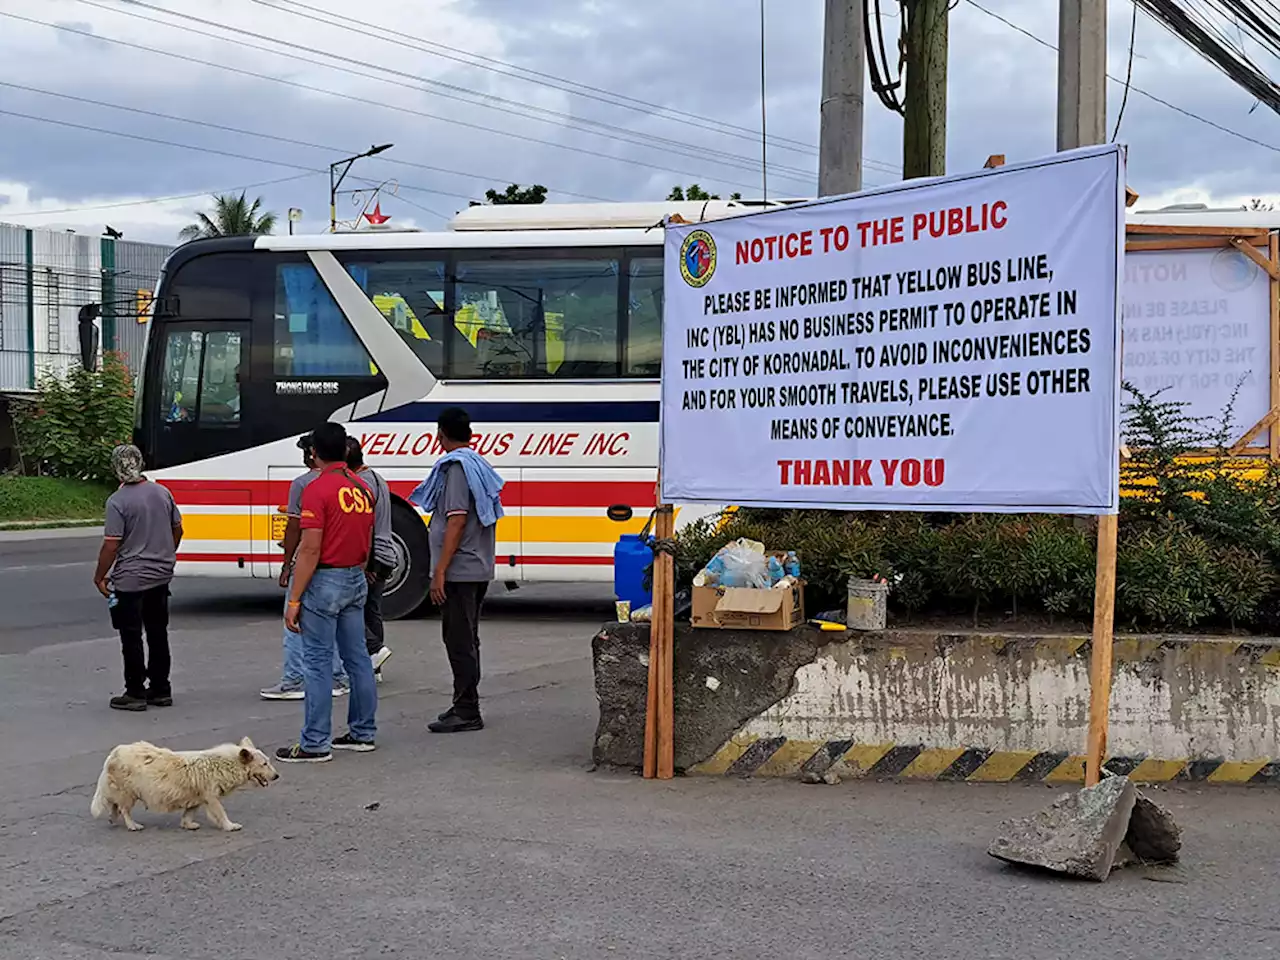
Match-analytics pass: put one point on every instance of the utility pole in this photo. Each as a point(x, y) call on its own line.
point(844, 69)
point(924, 107)
point(1082, 73)
point(1082, 121)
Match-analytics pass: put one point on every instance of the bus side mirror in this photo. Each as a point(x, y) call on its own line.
point(89, 336)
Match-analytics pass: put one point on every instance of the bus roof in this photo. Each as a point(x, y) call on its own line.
point(1201, 215)
point(602, 216)
point(462, 240)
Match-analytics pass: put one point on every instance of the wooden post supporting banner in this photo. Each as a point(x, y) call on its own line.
point(1104, 608)
point(659, 721)
point(1273, 248)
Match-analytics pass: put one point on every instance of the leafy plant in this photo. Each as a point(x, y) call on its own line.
point(71, 427)
point(231, 216)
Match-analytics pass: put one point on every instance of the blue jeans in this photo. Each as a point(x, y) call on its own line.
point(291, 676)
point(333, 612)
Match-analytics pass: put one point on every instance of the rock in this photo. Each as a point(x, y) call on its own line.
point(1078, 834)
point(831, 778)
point(808, 776)
point(1153, 836)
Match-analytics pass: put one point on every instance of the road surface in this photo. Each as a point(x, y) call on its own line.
point(503, 844)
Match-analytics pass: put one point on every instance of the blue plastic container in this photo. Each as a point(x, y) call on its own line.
point(630, 558)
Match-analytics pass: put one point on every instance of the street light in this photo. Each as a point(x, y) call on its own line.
point(335, 182)
point(295, 214)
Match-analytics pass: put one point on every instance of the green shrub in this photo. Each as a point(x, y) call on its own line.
point(71, 427)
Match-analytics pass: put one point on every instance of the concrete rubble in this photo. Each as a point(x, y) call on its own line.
point(1090, 832)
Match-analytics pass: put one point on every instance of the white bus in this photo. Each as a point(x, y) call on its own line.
point(544, 322)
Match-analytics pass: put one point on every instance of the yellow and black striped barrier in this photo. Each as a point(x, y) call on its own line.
point(781, 757)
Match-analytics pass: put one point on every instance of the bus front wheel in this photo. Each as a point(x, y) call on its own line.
point(406, 590)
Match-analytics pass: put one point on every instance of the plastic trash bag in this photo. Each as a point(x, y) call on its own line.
point(744, 567)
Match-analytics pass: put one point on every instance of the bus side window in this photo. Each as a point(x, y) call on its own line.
point(536, 318)
point(313, 338)
point(643, 349)
point(180, 384)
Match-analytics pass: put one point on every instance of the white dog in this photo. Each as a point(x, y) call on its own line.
point(170, 780)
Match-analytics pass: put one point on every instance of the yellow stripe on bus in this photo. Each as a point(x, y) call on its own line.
point(212, 526)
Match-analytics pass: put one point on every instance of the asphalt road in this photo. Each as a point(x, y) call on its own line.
point(503, 844)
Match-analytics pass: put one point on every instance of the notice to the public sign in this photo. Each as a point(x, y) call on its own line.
point(947, 345)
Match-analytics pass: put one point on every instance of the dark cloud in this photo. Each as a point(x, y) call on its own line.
point(700, 59)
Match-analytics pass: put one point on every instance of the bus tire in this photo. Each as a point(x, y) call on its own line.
point(407, 587)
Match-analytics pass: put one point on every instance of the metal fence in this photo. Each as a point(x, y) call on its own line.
point(46, 276)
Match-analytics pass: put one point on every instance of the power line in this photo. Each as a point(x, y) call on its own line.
point(265, 136)
point(190, 146)
point(1128, 70)
point(574, 87)
point(154, 200)
point(1136, 89)
point(600, 94)
point(66, 28)
point(439, 88)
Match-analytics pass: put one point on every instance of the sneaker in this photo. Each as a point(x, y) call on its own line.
point(381, 657)
point(348, 742)
point(341, 688)
point(447, 714)
point(162, 700)
point(456, 724)
point(295, 754)
point(126, 702)
point(377, 675)
point(282, 691)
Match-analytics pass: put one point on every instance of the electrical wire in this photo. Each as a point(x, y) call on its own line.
point(1128, 71)
point(878, 58)
point(270, 136)
point(445, 90)
point(1136, 89)
point(1236, 67)
point(101, 38)
point(514, 71)
point(154, 200)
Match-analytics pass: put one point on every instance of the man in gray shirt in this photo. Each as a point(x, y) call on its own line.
point(462, 560)
point(135, 566)
point(382, 559)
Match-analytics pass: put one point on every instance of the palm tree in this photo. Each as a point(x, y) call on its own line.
point(231, 216)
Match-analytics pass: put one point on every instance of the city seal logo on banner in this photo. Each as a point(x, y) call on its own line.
point(698, 258)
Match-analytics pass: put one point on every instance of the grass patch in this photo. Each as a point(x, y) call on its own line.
point(26, 499)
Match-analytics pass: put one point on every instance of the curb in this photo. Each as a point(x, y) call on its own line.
point(781, 757)
point(23, 534)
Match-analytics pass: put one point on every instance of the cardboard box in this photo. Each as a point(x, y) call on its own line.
point(748, 608)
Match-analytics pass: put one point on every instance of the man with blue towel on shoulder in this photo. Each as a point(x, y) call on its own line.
point(463, 496)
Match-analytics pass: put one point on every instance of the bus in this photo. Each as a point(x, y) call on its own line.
point(544, 322)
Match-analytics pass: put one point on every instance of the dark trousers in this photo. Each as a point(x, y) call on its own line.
point(374, 635)
point(460, 624)
point(135, 613)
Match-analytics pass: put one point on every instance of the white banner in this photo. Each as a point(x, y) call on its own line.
point(1197, 325)
point(941, 345)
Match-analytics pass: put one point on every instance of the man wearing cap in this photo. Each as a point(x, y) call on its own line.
point(326, 602)
point(291, 686)
point(135, 566)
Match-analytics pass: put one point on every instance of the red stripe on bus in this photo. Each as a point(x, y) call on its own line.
point(276, 557)
point(531, 493)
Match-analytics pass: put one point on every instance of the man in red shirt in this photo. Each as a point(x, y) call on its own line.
point(326, 603)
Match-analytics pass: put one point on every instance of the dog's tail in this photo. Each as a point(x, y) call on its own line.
point(98, 805)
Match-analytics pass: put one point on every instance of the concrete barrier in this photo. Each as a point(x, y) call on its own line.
point(945, 706)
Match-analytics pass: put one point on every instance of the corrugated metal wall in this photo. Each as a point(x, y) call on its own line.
point(15, 348)
point(46, 276)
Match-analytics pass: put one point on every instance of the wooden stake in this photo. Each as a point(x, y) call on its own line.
point(1104, 608)
point(659, 720)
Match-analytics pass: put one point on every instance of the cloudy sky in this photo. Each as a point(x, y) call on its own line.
point(567, 97)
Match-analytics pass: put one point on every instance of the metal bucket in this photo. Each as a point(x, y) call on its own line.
point(868, 604)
